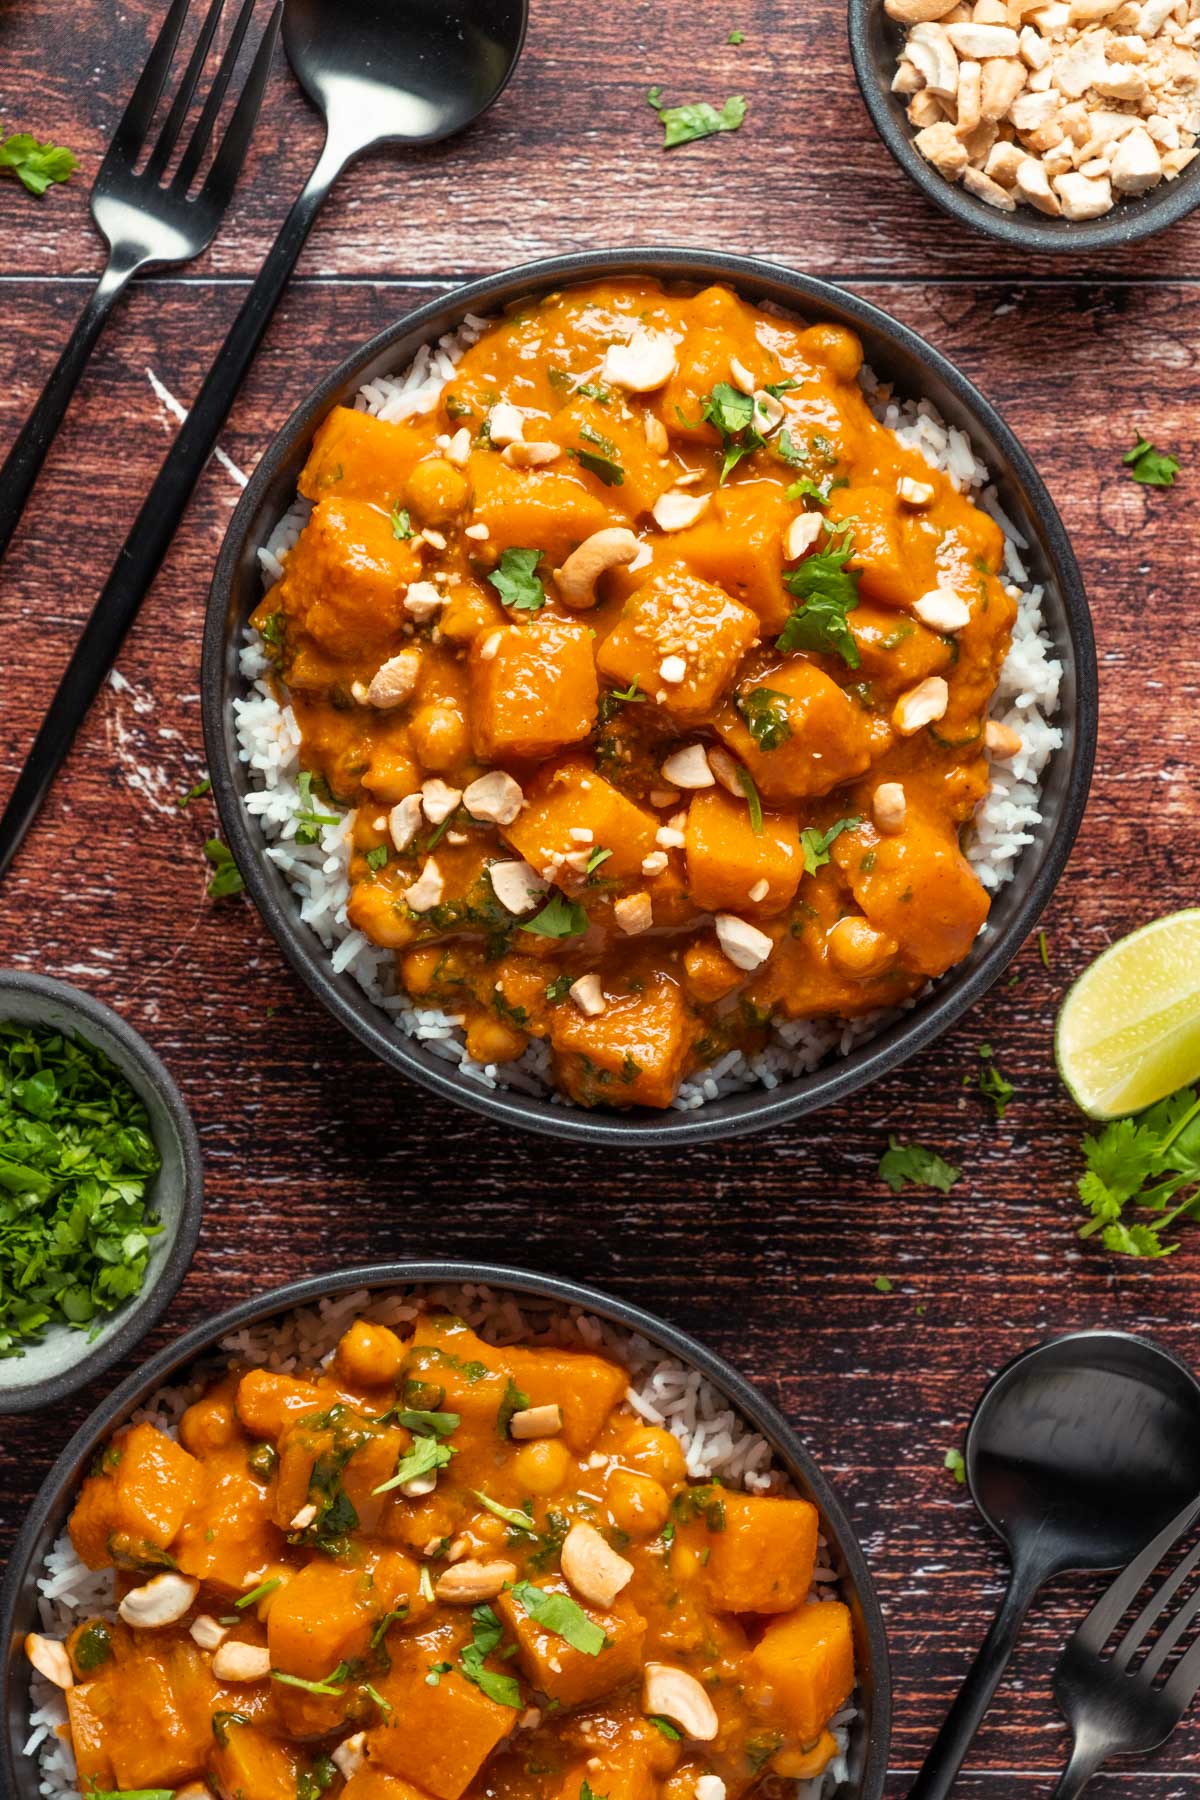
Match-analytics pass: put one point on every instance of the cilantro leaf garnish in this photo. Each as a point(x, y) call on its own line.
point(401, 523)
point(602, 461)
point(202, 787)
point(559, 918)
point(912, 1165)
point(746, 782)
point(37, 166)
point(764, 711)
point(816, 844)
point(953, 1460)
point(883, 1284)
point(1153, 468)
point(227, 878)
point(424, 1424)
point(487, 1635)
point(516, 582)
point(665, 1726)
point(731, 415)
point(308, 822)
point(828, 591)
point(990, 1082)
point(512, 1515)
point(560, 1615)
point(425, 1455)
point(1150, 1164)
point(597, 857)
point(258, 1593)
point(698, 119)
point(333, 1683)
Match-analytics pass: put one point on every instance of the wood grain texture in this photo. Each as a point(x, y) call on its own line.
point(316, 1157)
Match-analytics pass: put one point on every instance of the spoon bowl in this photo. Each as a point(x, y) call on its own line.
point(411, 72)
point(1079, 1453)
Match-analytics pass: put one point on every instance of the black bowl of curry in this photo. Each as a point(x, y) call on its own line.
point(642, 703)
point(433, 1531)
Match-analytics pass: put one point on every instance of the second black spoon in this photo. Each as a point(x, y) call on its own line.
point(1079, 1452)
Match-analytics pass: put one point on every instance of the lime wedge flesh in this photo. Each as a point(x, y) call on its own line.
point(1128, 1032)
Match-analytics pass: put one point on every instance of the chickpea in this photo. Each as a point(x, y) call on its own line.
point(541, 1466)
point(372, 909)
point(439, 736)
point(208, 1425)
point(858, 949)
point(418, 968)
point(437, 491)
point(491, 1040)
point(467, 613)
point(638, 1504)
point(656, 1453)
point(390, 775)
point(837, 348)
point(369, 1355)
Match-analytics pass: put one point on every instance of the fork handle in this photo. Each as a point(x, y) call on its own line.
point(142, 553)
point(27, 455)
point(1087, 1755)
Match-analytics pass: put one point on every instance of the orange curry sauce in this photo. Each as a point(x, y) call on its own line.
point(792, 597)
point(439, 1568)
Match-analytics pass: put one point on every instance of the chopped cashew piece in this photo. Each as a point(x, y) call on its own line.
point(593, 1567)
point(350, 1754)
point(672, 670)
point(161, 1601)
point(709, 1787)
point(688, 768)
point(467, 1583)
point(942, 610)
point(726, 771)
point(984, 188)
point(889, 807)
point(516, 886)
point(588, 995)
point(506, 425)
point(304, 1518)
point(939, 145)
point(394, 681)
point(529, 456)
point(438, 800)
point(1136, 164)
point(404, 820)
point(236, 1661)
point(422, 600)
point(921, 706)
point(769, 412)
point(917, 12)
point(759, 891)
point(536, 1422)
point(634, 913)
point(980, 41)
point(914, 493)
point(934, 55)
point(1083, 198)
point(673, 1694)
point(494, 797)
point(655, 862)
point(646, 362)
point(802, 534)
point(1001, 740)
point(611, 548)
point(208, 1632)
point(742, 378)
point(427, 890)
point(49, 1657)
point(676, 511)
point(458, 450)
point(744, 944)
point(657, 441)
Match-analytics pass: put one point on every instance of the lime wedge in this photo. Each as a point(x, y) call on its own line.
point(1128, 1032)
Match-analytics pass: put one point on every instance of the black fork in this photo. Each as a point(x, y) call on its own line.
point(1125, 1698)
point(143, 219)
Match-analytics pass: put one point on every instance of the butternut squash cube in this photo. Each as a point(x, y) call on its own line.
point(808, 1658)
point(248, 1763)
point(441, 1735)
point(267, 1403)
point(346, 579)
point(830, 739)
point(371, 1783)
point(585, 1387)
point(449, 1369)
point(153, 1714)
point(675, 615)
point(573, 797)
point(710, 974)
point(90, 1709)
point(896, 653)
point(632, 1054)
point(321, 1617)
point(565, 1674)
point(138, 1501)
point(702, 362)
point(537, 690)
point(763, 1558)
point(232, 1535)
point(355, 455)
point(738, 545)
point(918, 887)
point(727, 861)
point(548, 508)
point(877, 531)
point(611, 434)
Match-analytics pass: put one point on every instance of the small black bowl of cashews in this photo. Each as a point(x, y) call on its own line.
point(1052, 125)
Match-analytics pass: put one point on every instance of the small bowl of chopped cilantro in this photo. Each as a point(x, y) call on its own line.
point(100, 1189)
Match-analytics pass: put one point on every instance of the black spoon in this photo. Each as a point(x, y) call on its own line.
point(381, 72)
point(1079, 1452)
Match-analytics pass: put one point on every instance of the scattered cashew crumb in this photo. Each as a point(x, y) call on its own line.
point(688, 768)
point(588, 995)
point(1001, 740)
point(634, 913)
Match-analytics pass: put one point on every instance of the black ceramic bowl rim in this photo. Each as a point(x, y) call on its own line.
point(47, 1515)
point(144, 1309)
point(875, 41)
point(271, 490)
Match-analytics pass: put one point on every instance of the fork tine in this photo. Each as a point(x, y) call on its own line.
point(232, 154)
point(130, 134)
point(1155, 1609)
point(168, 137)
point(1108, 1611)
point(193, 156)
point(1180, 1689)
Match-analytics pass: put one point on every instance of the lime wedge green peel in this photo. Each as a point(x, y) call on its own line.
point(1128, 1033)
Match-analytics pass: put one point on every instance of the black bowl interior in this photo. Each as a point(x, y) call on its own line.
point(875, 44)
point(48, 1514)
point(66, 1359)
point(898, 356)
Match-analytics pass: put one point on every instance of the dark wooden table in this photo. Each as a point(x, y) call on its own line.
point(316, 1156)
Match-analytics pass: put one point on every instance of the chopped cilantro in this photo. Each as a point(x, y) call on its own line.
point(202, 787)
point(512, 1515)
point(1150, 1164)
point(559, 918)
point(516, 581)
point(258, 1593)
point(698, 119)
point(425, 1455)
point(436, 1671)
point(559, 1614)
point(990, 1081)
point(736, 37)
point(665, 1726)
point(731, 415)
point(36, 166)
point(654, 96)
point(428, 1424)
point(1153, 468)
point(514, 1401)
point(487, 1634)
point(601, 461)
point(401, 522)
point(953, 1460)
point(597, 857)
point(746, 782)
point(883, 1284)
point(558, 989)
point(764, 711)
point(1044, 949)
point(816, 845)
point(227, 878)
point(333, 1683)
point(308, 822)
point(827, 591)
point(911, 1165)
point(376, 857)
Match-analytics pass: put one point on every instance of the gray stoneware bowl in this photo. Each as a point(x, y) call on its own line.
point(47, 1516)
point(897, 355)
point(66, 1359)
point(875, 43)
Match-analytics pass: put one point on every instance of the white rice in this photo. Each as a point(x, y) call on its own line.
point(1026, 699)
point(717, 1442)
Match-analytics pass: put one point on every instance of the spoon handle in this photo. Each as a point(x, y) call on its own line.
point(150, 538)
point(940, 1769)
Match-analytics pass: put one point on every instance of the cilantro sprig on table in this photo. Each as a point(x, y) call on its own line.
point(76, 1162)
point(1143, 1175)
point(697, 119)
point(1153, 468)
point(37, 166)
point(912, 1165)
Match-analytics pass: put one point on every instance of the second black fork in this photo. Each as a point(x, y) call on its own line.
point(144, 220)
